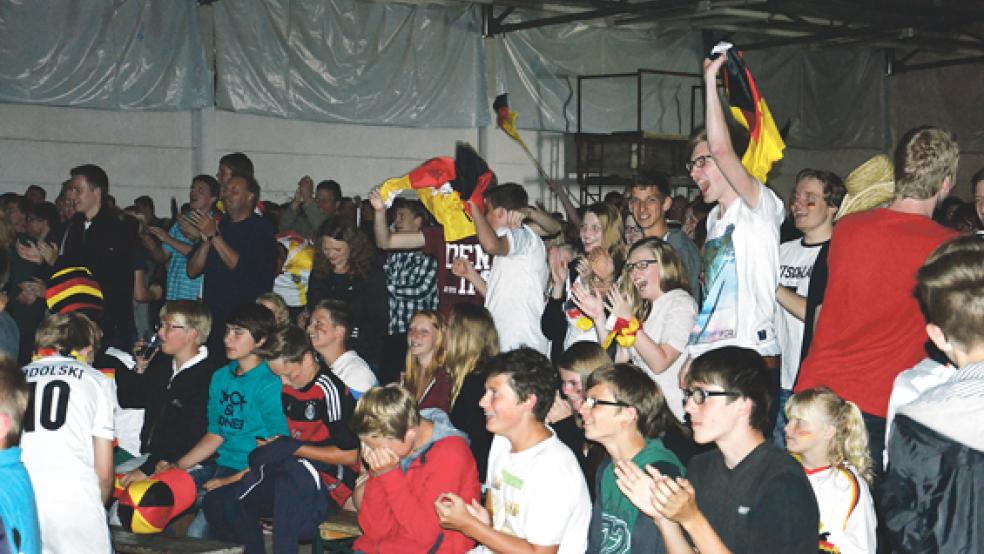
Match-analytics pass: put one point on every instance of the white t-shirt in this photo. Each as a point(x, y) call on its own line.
point(538, 495)
point(796, 260)
point(670, 321)
point(355, 373)
point(741, 262)
point(847, 512)
point(72, 403)
point(514, 293)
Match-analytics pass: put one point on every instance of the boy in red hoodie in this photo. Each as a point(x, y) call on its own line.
point(411, 457)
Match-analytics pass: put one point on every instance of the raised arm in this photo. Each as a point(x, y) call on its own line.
point(544, 221)
point(386, 240)
point(719, 139)
point(492, 243)
point(565, 200)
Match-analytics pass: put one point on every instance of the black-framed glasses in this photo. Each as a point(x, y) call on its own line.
point(641, 264)
point(701, 395)
point(698, 162)
point(591, 402)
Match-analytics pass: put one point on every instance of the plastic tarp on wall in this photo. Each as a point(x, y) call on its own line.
point(103, 54)
point(539, 69)
point(352, 62)
point(830, 97)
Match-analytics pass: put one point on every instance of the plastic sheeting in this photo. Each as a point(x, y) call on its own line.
point(539, 69)
point(829, 97)
point(353, 62)
point(103, 54)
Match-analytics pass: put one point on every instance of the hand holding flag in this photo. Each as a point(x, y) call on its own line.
point(749, 109)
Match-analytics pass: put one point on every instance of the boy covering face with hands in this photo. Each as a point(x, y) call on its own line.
point(410, 457)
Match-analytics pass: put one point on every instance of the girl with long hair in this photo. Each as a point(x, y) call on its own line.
point(596, 264)
point(345, 269)
point(827, 434)
point(425, 376)
point(470, 343)
point(653, 303)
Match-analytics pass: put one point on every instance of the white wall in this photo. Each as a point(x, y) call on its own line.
point(157, 153)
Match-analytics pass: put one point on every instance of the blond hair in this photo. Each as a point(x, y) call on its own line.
point(472, 340)
point(190, 313)
point(850, 442)
point(13, 400)
point(385, 412)
point(584, 358)
point(611, 228)
point(672, 275)
point(924, 158)
point(67, 333)
point(417, 377)
point(277, 305)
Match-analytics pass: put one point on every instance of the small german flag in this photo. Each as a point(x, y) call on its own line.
point(748, 107)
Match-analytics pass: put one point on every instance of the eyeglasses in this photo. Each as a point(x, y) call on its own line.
point(599, 281)
point(641, 264)
point(701, 395)
point(698, 162)
point(591, 402)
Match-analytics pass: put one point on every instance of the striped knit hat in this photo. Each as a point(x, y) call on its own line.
point(74, 289)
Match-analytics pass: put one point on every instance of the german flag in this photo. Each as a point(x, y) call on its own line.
point(765, 144)
point(443, 184)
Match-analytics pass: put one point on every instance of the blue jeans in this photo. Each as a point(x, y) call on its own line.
point(201, 475)
point(779, 433)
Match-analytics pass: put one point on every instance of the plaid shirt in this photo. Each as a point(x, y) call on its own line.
point(411, 279)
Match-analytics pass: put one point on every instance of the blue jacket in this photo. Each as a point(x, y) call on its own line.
point(18, 512)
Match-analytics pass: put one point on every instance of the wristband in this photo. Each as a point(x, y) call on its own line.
point(624, 331)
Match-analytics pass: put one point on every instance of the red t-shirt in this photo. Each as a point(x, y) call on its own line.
point(452, 289)
point(871, 327)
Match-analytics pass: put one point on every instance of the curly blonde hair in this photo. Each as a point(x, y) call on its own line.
point(471, 342)
point(850, 442)
point(361, 250)
point(417, 377)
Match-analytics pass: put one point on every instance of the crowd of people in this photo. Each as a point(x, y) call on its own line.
point(734, 373)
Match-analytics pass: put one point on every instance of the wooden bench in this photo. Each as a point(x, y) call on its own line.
point(337, 533)
point(125, 542)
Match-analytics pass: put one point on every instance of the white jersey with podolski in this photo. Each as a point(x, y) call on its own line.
point(71, 402)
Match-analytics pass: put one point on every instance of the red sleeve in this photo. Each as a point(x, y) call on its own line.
point(449, 467)
point(375, 515)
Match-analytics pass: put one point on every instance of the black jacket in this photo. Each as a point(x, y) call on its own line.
point(368, 302)
point(107, 249)
point(931, 497)
point(176, 412)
